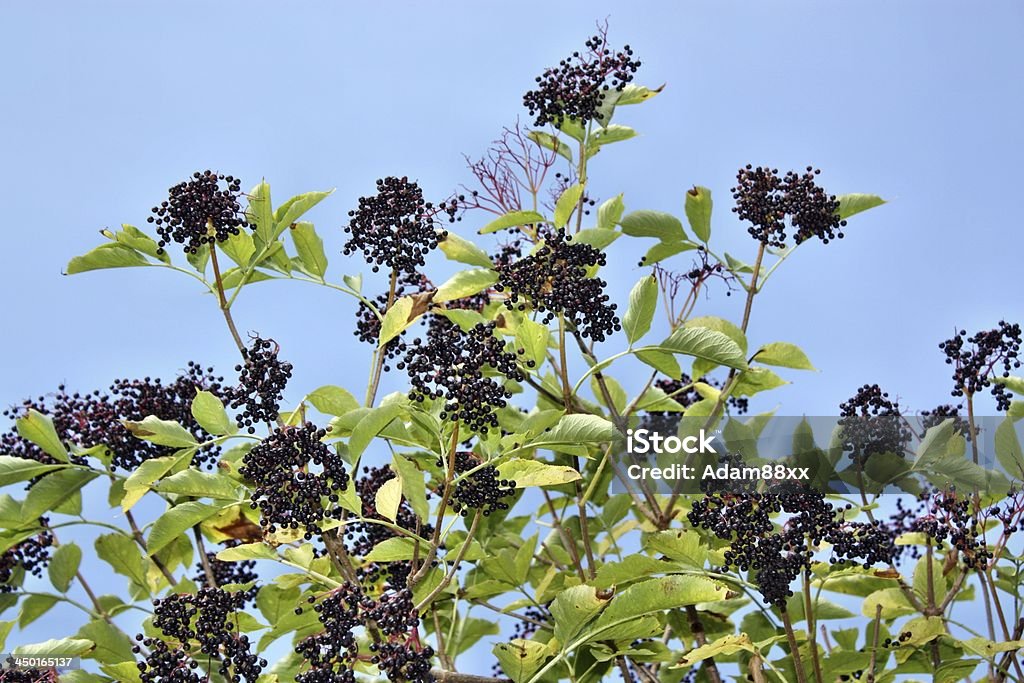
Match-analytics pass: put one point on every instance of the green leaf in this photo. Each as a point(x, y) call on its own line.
point(630, 568)
point(13, 470)
point(850, 204)
point(726, 645)
point(260, 214)
point(607, 135)
point(64, 565)
point(533, 338)
point(388, 498)
point(33, 607)
point(294, 208)
point(566, 204)
point(398, 549)
point(209, 412)
point(577, 429)
point(663, 250)
point(132, 237)
point(1013, 383)
point(698, 212)
point(176, 522)
point(513, 219)
point(643, 302)
point(755, 380)
point(573, 608)
point(413, 487)
point(275, 602)
point(332, 400)
point(783, 355)
point(247, 551)
point(121, 553)
point(663, 362)
point(647, 223)
point(160, 432)
point(240, 248)
point(462, 250)
point(140, 481)
point(599, 238)
point(52, 490)
point(535, 473)
point(892, 600)
point(309, 247)
point(729, 329)
point(635, 94)
point(38, 429)
point(548, 141)
point(370, 425)
point(112, 645)
point(610, 212)
point(397, 319)
point(701, 342)
point(62, 647)
point(112, 255)
point(652, 597)
point(521, 659)
point(1008, 449)
point(198, 484)
point(199, 259)
point(465, 283)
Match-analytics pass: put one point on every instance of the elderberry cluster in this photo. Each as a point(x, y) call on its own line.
point(33, 675)
point(331, 654)
point(482, 490)
point(294, 471)
point(368, 324)
point(205, 624)
point(764, 199)
point(395, 227)
point(207, 202)
point(261, 383)
point(776, 556)
point(992, 352)
point(939, 414)
point(451, 367)
point(947, 516)
point(872, 423)
point(94, 418)
point(578, 86)
point(31, 555)
point(224, 573)
point(364, 536)
point(554, 281)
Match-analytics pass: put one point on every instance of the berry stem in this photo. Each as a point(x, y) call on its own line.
point(697, 628)
point(141, 540)
point(812, 634)
point(378, 354)
point(794, 648)
point(435, 539)
point(225, 307)
point(211, 578)
point(564, 366)
point(874, 644)
point(442, 676)
point(567, 539)
point(446, 581)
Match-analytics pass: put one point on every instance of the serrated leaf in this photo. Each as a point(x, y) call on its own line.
point(370, 425)
point(209, 412)
point(462, 250)
point(599, 238)
point(662, 361)
point(521, 659)
point(388, 498)
point(33, 607)
point(465, 283)
point(698, 212)
point(726, 645)
point(513, 219)
point(527, 473)
point(39, 429)
point(648, 223)
point(533, 338)
point(576, 429)
point(64, 565)
point(783, 355)
point(52, 490)
point(112, 645)
point(121, 553)
point(398, 549)
point(247, 551)
point(413, 486)
point(1008, 449)
point(160, 432)
point(850, 204)
point(548, 141)
point(260, 214)
point(309, 247)
point(332, 400)
point(663, 250)
point(13, 470)
point(755, 380)
point(112, 255)
point(610, 212)
point(573, 608)
point(176, 522)
point(701, 342)
point(635, 94)
point(566, 204)
point(643, 302)
point(293, 209)
point(191, 482)
point(132, 237)
point(58, 647)
point(397, 319)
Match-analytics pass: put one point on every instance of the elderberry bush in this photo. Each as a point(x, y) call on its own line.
point(204, 209)
point(554, 281)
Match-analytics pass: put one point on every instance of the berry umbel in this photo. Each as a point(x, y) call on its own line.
point(554, 281)
point(202, 210)
point(765, 199)
point(483, 489)
point(261, 382)
point(988, 354)
point(872, 423)
point(396, 227)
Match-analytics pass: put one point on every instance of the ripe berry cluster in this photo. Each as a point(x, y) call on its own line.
point(208, 201)
point(482, 490)
point(333, 653)
point(871, 423)
point(396, 227)
point(32, 555)
point(206, 621)
point(364, 536)
point(991, 352)
point(578, 86)
point(665, 422)
point(93, 418)
point(261, 383)
point(451, 367)
point(765, 199)
point(242, 571)
point(779, 555)
point(939, 414)
point(33, 675)
point(293, 471)
point(947, 516)
point(554, 281)
point(438, 325)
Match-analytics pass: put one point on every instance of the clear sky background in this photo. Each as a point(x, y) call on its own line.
point(105, 105)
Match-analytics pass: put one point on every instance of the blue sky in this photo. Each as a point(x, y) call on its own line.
point(105, 105)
